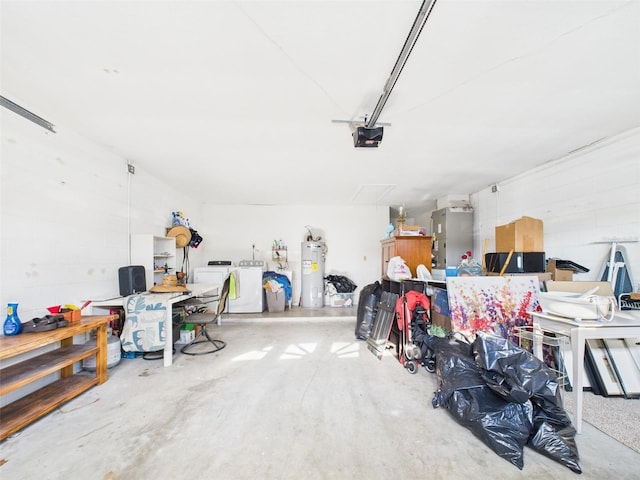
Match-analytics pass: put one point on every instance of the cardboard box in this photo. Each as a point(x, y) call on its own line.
point(558, 274)
point(72, 316)
point(459, 201)
point(604, 288)
point(440, 320)
point(186, 336)
point(407, 230)
point(542, 276)
point(522, 235)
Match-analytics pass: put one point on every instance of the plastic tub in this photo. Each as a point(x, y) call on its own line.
point(572, 305)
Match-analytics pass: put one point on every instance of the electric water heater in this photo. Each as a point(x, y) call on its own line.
point(312, 295)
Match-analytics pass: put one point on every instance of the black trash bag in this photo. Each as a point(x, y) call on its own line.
point(342, 284)
point(503, 426)
point(455, 369)
point(367, 309)
point(519, 376)
point(553, 435)
point(513, 372)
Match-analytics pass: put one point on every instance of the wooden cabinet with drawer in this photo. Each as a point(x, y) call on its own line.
point(415, 250)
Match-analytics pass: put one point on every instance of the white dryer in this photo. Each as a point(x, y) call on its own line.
point(249, 296)
point(211, 274)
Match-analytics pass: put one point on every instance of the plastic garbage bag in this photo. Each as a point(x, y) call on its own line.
point(398, 270)
point(554, 437)
point(342, 284)
point(502, 425)
point(517, 375)
point(367, 309)
point(513, 372)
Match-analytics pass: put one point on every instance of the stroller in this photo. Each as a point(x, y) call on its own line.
point(412, 314)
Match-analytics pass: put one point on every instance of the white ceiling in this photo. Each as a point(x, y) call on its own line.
point(236, 98)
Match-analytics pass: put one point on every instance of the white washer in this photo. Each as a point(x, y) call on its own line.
point(250, 291)
point(213, 274)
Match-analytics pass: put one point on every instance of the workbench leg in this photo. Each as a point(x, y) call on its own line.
point(68, 370)
point(101, 356)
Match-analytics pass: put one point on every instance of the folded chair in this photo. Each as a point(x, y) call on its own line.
point(203, 343)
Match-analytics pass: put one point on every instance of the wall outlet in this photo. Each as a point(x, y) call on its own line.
point(131, 169)
point(495, 188)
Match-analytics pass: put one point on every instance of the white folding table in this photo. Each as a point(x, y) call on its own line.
point(194, 290)
point(624, 325)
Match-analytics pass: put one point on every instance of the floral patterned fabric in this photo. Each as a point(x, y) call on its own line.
point(143, 329)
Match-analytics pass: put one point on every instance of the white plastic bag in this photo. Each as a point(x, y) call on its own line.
point(423, 273)
point(397, 269)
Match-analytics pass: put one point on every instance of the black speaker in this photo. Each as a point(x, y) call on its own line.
point(367, 137)
point(132, 280)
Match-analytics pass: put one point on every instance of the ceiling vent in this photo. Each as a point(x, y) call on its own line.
point(367, 137)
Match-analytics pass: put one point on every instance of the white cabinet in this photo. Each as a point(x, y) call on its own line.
point(156, 254)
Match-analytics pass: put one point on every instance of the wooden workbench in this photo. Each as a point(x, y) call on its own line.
point(29, 408)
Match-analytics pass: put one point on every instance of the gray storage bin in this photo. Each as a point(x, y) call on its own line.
point(275, 301)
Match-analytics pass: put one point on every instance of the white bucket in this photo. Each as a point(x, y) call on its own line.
point(114, 354)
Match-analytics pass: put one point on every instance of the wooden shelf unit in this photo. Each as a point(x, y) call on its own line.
point(154, 253)
point(21, 412)
point(415, 250)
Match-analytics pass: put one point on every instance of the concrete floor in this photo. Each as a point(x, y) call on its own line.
point(297, 398)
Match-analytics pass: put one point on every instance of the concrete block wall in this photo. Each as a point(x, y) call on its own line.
point(585, 199)
point(67, 207)
point(352, 234)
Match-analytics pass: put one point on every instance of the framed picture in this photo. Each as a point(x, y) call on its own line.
point(491, 304)
point(602, 369)
point(621, 358)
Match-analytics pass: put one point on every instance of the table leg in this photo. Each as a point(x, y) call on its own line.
point(577, 348)
point(537, 334)
point(168, 335)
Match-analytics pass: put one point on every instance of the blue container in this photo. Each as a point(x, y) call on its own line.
point(12, 324)
point(452, 272)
